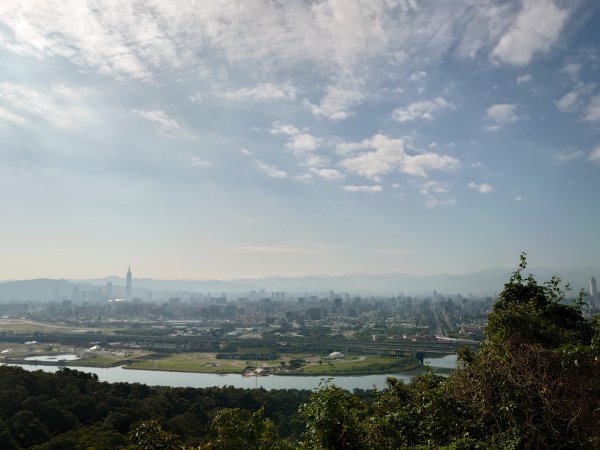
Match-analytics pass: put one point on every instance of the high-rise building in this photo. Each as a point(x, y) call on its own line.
point(128, 284)
point(593, 289)
point(109, 294)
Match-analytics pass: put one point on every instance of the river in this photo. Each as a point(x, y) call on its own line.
point(203, 380)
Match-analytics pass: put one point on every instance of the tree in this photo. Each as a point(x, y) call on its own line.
point(149, 435)
point(334, 419)
point(238, 429)
point(534, 382)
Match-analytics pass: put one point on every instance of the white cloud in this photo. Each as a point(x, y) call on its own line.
point(149, 39)
point(283, 128)
point(418, 76)
point(518, 198)
point(196, 97)
point(372, 158)
point(304, 178)
point(522, 79)
point(272, 171)
point(262, 92)
point(476, 165)
point(59, 105)
point(595, 154)
point(313, 160)
point(167, 126)
point(420, 110)
point(592, 112)
point(501, 115)
point(245, 151)
point(433, 202)
point(337, 103)
point(298, 142)
point(572, 70)
point(484, 188)
point(435, 193)
point(419, 165)
point(565, 156)
point(535, 30)
point(6, 115)
point(329, 174)
point(302, 143)
point(199, 162)
point(568, 102)
point(354, 188)
point(434, 187)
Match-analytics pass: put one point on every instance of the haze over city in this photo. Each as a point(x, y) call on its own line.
point(246, 139)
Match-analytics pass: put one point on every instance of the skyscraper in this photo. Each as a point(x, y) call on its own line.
point(593, 290)
point(128, 285)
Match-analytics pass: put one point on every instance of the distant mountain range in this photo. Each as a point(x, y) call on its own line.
point(487, 282)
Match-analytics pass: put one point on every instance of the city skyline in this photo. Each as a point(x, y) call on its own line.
point(208, 140)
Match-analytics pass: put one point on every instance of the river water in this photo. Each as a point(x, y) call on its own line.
point(203, 380)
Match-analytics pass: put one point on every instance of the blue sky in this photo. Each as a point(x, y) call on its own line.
point(225, 139)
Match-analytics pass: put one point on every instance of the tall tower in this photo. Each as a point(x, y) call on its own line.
point(128, 285)
point(593, 290)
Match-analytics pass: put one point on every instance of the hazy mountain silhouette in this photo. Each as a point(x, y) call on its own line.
point(485, 282)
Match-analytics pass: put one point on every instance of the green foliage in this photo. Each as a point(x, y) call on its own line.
point(237, 429)
point(334, 419)
point(149, 435)
point(534, 383)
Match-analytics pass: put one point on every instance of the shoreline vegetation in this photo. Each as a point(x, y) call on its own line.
point(299, 365)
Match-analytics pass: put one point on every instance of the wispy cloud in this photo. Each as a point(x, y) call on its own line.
point(272, 171)
point(329, 174)
point(595, 154)
point(522, 79)
point(592, 112)
point(299, 142)
point(199, 162)
point(420, 110)
point(166, 125)
point(567, 156)
point(59, 105)
point(500, 115)
point(362, 188)
point(14, 118)
point(484, 188)
point(337, 103)
point(262, 92)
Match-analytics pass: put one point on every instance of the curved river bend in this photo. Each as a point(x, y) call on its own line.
point(203, 380)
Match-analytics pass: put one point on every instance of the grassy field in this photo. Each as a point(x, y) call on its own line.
point(190, 362)
point(207, 363)
point(361, 365)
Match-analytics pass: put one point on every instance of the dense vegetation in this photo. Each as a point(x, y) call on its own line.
point(535, 383)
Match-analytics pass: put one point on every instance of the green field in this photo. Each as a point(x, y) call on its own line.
point(361, 365)
point(189, 362)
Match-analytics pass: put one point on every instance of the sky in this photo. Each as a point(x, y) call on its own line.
point(227, 139)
